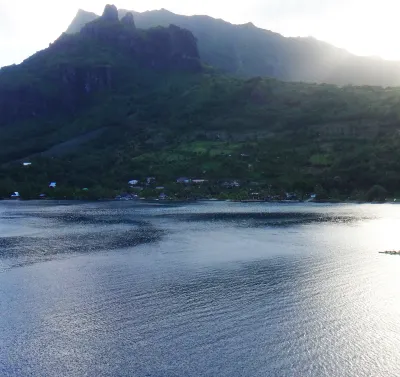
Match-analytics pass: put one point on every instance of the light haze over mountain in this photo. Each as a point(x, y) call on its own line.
point(361, 27)
point(248, 51)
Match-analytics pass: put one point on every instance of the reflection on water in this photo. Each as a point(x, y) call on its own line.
point(209, 289)
point(34, 234)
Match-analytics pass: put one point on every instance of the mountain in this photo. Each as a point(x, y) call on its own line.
point(59, 79)
point(249, 51)
point(115, 102)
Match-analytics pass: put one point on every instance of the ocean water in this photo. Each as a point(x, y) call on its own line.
point(199, 289)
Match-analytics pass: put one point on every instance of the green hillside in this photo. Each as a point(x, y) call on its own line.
point(115, 103)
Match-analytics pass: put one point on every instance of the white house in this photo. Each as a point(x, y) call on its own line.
point(199, 181)
point(27, 163)
point(133, 182)
point(15, 195)
point(53, 185)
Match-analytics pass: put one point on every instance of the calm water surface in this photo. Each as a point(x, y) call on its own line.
point(206, 289)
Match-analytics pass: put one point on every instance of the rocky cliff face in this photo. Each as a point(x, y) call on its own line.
point(69, 90)
point(160, 48)
point(63, 77)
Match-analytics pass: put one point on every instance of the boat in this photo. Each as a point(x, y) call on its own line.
point(390, 252)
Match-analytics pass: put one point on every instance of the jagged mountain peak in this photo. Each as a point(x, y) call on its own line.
point(128, 19)
point(110, 13)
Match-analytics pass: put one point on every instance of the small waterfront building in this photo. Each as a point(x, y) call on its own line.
point(15, 195)
point(53, 185)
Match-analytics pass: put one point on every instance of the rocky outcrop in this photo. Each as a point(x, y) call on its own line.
point(128, 20)
point(110, 13)
point(105, 28)
point(157, 48)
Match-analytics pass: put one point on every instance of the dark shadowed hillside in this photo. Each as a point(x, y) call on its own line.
point(249, 51)
point(104, 55)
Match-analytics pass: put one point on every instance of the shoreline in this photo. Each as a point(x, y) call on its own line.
point(250, 201)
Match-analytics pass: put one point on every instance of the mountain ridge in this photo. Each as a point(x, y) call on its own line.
point(248, 51)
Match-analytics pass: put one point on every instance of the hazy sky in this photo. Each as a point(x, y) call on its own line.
point(365, 27)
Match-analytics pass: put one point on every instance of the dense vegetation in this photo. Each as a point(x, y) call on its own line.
point(115, 103)
point(249, 51)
